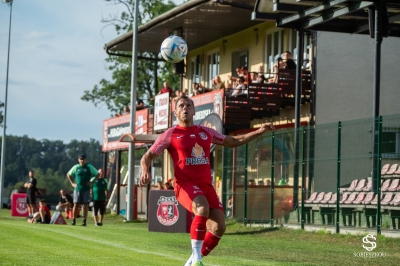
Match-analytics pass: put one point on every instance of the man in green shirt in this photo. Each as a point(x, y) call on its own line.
point(99, 192)
point(80, 178)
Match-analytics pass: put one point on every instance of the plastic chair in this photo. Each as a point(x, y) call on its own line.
point(361, 184)
point(387, 199)
point(352, 186)
point(394, 186)
point(360, 198)
point(344, 197)
point(375, 200)
point(385, 168)
point(312, 197)
point(351, 198)
point(391, 170)
point(396, 200)
point(326, 198)
point(319, 197)
point(333, 199)
point(368, 198)
point(368, 187)
point(385, 185)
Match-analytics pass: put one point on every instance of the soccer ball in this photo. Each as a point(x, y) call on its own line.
point(173, 49)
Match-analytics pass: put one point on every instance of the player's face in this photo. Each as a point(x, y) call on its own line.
point(184, 110)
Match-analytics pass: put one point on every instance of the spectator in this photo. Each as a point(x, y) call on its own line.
point(241, 88)
point(31, 189)
point(165, 89)
point(279, 64)
point(185, 92)
point(99, 192)
point(251, 182)
point(139, 103)
point(267, 182)
point(178, 94)
point(80, 178)
point(43, 215)
point(287, 58)
point(196, 91)
point(169, 185)
point(254, 77)
point(65, 203)
point(261, 79)
point(217, 83)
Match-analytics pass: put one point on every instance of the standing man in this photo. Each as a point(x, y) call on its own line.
point(189, 147)
point(79, 176)
point(65, 202)
point(287, 59)
point(99, 192)
point(31, 189)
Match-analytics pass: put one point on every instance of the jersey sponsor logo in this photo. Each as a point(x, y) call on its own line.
point(167, 212)
point(178, 137)
point(203, 135)
point(196, 187)
point(198, 156)
point(192, 135)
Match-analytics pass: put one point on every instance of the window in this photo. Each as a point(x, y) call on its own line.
point(390, 143)
point(212, 67)
point(196, 67)
point(239, 59)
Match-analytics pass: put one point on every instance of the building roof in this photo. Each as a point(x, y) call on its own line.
point(199, 22)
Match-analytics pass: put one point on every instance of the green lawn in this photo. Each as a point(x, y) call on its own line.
point(130, 243)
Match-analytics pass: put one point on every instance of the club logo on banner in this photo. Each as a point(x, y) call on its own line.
point(57, 218)
point(21, 206)
point(167, 212)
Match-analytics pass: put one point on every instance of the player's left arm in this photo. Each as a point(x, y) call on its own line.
point(235, 141)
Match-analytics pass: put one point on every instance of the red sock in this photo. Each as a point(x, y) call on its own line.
point(210, 242)
point(198, 228)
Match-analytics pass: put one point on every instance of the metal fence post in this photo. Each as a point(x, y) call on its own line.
point(245, 186)
point(339, 143)
point(378, 175)
point(272, 179)
point(303, 189)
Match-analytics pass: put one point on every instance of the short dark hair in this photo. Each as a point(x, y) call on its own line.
point(183, 97)
point(287, 52)
point(241, 79)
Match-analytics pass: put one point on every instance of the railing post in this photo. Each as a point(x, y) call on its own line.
point(272, 179)
point(339, 144)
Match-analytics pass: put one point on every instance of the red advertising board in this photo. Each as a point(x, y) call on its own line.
point(18, 205)
point(115, 127)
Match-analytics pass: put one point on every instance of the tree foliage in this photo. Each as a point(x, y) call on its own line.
point(51, 160)
point(115, 93)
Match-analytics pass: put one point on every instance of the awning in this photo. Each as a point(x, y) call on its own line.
point(336, 15)
point(199, 22)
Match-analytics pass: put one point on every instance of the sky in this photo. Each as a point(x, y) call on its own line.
point(56, 54)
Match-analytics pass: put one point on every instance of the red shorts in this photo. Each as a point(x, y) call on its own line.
point(186, 193)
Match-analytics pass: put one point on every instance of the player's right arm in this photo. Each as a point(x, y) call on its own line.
point(145, 162)
point(70, 174)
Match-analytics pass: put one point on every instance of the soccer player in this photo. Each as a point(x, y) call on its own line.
point(189, 147)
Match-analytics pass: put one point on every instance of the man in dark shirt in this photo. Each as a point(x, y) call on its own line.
point(287, 58)
point(31, 189)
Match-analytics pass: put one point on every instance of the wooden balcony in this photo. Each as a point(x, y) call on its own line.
point(265, 99)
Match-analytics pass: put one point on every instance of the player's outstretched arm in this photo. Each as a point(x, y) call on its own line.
point(235, 141)
point(145, 162)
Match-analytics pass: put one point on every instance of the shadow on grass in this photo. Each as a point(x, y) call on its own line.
point(253, 232)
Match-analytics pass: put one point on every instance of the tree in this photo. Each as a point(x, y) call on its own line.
point(1, 113)
point(115, 94)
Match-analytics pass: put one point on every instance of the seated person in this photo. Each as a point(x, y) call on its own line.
point(279, 64)
point(178, 94)
point(267, 182)
point(196, 91)
point(65, 202)
point(168, 185)
point(241, 88)
point(261, 79)
point(43, 215)
point(139, 103)
point(254, 77)
point(203, 89)
point(217, 83)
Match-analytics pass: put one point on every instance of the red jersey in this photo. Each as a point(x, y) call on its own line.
point(189, 148)
point(165, 90)
point(46, 210)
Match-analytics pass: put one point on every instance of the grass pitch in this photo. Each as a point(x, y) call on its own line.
point(119, 243)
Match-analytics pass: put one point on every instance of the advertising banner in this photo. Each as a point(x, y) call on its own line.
point(115, 127)
point(161, 111)
point(18, 205)
point(205, 104)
